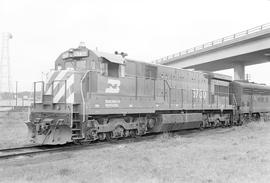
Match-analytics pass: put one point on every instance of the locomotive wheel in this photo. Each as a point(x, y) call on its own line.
point(240, 122)
point(127, 133)
point(227, 122)
point(224, 123)
point(151, 123)
point(118, 132)
point(212, 124)
point(77, 142)
point(217, 123)
point(101, 136)
point(132, 133)
point(109, 136)
point(201, 126)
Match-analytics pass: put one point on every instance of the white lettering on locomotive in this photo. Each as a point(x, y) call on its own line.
point(198, 94)
point(113, 86)
point(112, 103)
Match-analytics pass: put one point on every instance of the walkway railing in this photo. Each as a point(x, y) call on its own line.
point(215, 42)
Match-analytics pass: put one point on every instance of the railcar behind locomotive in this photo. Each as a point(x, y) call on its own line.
point(92, 95)
point(252, 100)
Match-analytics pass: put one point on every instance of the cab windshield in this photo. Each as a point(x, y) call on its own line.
point(75, 65)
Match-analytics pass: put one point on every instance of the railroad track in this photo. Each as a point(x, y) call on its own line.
point(31, 151)
point(25, 151)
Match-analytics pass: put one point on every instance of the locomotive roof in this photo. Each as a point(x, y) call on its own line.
point(85, 52)
point(251, 84)
point(210, 74)
point(121, 60)
point(219, 76)
point(154, 64)
point(111, 57)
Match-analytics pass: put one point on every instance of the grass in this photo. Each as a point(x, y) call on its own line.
point(13, 130)
point(237, 154)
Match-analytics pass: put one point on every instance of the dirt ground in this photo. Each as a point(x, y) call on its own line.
point(237, 154)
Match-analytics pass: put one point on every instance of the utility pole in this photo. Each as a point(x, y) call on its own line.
point(16, 93)
point(5, 77)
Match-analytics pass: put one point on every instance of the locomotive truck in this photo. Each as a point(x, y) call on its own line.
point(92, 95)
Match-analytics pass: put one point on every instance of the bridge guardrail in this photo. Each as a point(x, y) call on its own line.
point(215, 42)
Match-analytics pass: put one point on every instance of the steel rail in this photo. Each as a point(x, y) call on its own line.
point(30, 150)
point(18, 148)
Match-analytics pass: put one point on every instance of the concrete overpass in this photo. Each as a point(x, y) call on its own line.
point(236, 51)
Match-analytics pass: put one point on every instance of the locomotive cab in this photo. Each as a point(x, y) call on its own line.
point(83, 59)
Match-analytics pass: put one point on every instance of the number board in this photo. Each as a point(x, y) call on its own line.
point(75, 54)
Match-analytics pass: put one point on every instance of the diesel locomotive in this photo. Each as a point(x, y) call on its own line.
point(92, 95)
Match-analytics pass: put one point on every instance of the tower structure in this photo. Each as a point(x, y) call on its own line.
point(5, 77)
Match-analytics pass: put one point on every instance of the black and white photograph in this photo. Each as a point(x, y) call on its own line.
point(124, 91)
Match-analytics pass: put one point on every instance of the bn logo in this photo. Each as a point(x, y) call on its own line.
point(113, 86)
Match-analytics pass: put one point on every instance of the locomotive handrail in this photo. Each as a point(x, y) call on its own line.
point(71, 116)
point(42, 91)
point(166, 81)
point(202, 92)
point(234, 99)
point(83, 101)
point(136, 87)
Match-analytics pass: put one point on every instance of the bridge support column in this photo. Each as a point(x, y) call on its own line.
point(239, 72)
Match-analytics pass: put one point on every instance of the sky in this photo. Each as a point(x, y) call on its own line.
point(146, 30)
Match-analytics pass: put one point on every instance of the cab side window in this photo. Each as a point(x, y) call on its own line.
point(113, 69)
point(104, 68)
point(92, 65)
point(122, 71)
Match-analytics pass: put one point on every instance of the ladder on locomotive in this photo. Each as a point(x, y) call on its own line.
point(76, 125)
